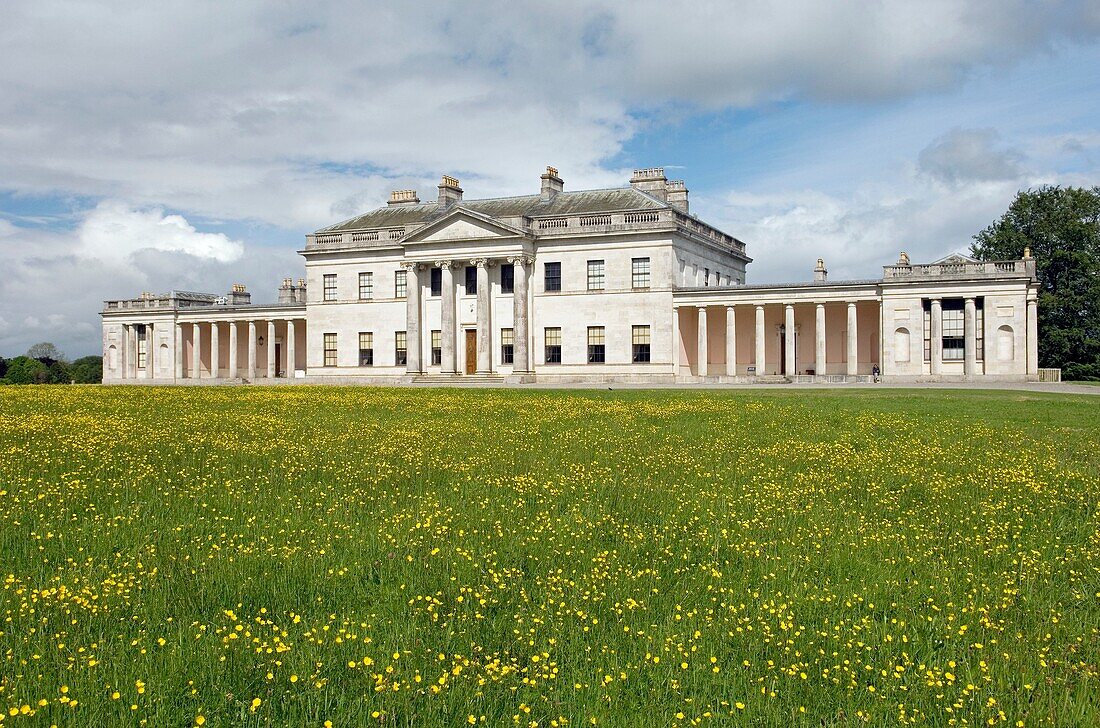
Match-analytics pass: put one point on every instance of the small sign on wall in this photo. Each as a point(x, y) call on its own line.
point(751, 370)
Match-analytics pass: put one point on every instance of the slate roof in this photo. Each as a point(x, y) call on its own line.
point(583, 202)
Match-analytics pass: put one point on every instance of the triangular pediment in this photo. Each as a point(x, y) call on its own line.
point(463, 224)
point(956, 258)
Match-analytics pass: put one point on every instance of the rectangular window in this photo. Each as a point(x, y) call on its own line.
point(595, 275)
point(471, 280)
point(979, 329)
point(437, 281)
point(507, 278)
point(706, 276)
point(142, 345)
point(717, 277)
point(507, 346)
point(366, 349)
point(639, 342)
point(553, 345)
point(551, 279)
point(330, 350)
point(366, 286)
point(597, 352)
point(437, 347)
point(926, 304)
point(330, 286)
point(639, 272)
point(953, 330)
point(400, 349)
point(401, 284)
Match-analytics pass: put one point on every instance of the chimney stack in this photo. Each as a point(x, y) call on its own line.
point(820, 273)
point(449, 191)
point(239, 296)
point(286, 291)
point(677, 194)
point(551, 184)
point(300, 293)
point(404, 197)
point(651, 181)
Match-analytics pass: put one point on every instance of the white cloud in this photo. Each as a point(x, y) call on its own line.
point(967, 155)
point(114, 232)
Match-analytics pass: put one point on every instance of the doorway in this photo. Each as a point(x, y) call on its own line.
point(471, 351)
point(278, 358)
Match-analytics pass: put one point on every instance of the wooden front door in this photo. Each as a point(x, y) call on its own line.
point(471, 351)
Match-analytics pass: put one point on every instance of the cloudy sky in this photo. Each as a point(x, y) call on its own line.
point(192, 144)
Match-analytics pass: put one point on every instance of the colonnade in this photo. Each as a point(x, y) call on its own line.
point(128, 353)
point(414, 361)
point(254, 330)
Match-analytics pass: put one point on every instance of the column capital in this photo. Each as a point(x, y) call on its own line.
point(819, 304)
point(759, 306)
point(481, 262)
point(410, 265)
point(729, 306)
point(851, 304)
point(444, 264)
point(702, 307)
point(788, 306)
point(521, 260)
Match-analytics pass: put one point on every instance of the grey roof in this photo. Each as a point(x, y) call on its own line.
point(583, 202)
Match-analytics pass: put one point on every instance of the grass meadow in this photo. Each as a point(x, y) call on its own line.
point(307, 556)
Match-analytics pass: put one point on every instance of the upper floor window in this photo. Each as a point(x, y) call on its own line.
point(471, 280)
point(330, 349)
point(401, 284)
point(639, 272)
point(330, 286)
point(437, 281)
point(552, 277)
point(507, 278)
point(596, 349)
point(706, 276)
point(595, 275)
point(366, 286)
point(553, 345)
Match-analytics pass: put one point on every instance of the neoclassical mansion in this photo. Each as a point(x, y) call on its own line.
point(612, 285)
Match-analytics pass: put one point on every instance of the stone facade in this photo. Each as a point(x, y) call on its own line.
point(599, 285)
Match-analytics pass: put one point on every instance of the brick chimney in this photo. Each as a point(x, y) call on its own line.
point(820, 273)
point(449, 191)
point(651, 181)
point(551, 184)
point(404, 197)
point(677, 194)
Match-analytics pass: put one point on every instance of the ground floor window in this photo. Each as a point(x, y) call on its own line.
point(639, 341)
point(507, 346)
point(954, 327)
point(597, 351)
point(142, 345)
point(437, 347)
point(330, 349)
point(553, 345)
point(400, 349)
point(366, 348)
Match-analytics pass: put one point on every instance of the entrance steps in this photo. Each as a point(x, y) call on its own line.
point(457, 379)
point(771, 379)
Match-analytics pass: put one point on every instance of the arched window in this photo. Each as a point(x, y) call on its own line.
point(901, 344)
point(112, 357)
point(1006, 344)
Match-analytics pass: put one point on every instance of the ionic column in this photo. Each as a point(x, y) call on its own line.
point(179, 351)
point(233, 349)
point(196, 351)
point(731, 342)
point(819, 340)
point(1033, 338)
point(970, 342)
point(271, 371)
point(788, 340)
point(412, 317)
point(702, 342)
point(853, 340)
point(521, 362)
point(251, 350)
point(150, 349)
point(124, 352)
point(290, 356)
point(215, 354)
point(448, 334)
point(484, 325)
point(760, 363)
point(935, 333)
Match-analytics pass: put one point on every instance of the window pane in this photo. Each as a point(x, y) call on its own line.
point(639, 271)
point(471, 280)
point(639, 338)
point(552, 278)
point(553, 345)
point(366, 286)
point(366, 348)
point(437, 281)
point(437, 347)
point(330, 286)
point(595, 275)
point(507, 346)
point(596, 350)
point(401, 284)
point(400, 351)
point(329, 349)
point(507, 278)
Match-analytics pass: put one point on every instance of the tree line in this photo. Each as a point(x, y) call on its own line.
point(45, 364)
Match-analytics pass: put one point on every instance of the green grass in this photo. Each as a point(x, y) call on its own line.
point(295, 555)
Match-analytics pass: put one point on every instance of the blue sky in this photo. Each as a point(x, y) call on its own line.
point(192, 145)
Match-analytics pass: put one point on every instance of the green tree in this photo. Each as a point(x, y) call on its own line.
point(24, 370)
point(87, 370)
point(1061, 226)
